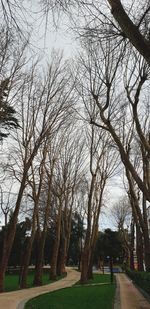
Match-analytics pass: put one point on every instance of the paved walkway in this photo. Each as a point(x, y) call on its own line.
point(128, 296)
point(17, 299)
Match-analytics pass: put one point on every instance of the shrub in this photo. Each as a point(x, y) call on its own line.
point(141, 278)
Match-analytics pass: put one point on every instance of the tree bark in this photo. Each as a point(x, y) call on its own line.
point(130, 30)
point(53, 263)
point(28, 251)
point(11, 229)
point(139, 248)
point(62, 257)
point(25, 263)
point(10, 235)
point(41, 242)
point(125, 159)
point(39, 261)
point(85, 264)
point(141, 220)
point(86, 250)
point(132, 246)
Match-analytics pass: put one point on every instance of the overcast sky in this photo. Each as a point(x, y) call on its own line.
point(64, 39)
point(48, 34)
point(43, 40)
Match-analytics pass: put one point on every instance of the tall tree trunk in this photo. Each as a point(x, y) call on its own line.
point(90, 267)
point(65, 240)
point(62, 257)
point(39, 262)
point(86, 250)
point(62, 245)
point(141, 219)
point(40, 252)
point(147, 251)
point(28, 251)
point(42, 235)
point(130, 30)
point(85, 264)
point(132, 245)
point(53, 263)
point(139, 248)
point(25, 263)
point(95, 225)
point(10, 230)
point(40, 257)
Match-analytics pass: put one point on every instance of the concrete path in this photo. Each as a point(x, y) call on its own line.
point(128, 296)
point(17, 299)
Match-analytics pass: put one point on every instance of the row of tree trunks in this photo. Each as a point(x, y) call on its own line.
point(10, 230)
point(139, 220)
point(65, 231)
point(99, 197)
point(42, 235)
point(36, 191)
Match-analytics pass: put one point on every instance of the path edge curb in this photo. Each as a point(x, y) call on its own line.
point(117, 300)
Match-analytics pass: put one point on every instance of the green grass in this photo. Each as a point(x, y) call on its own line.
point(85, 297)
point(11, 280)
point(100, 278)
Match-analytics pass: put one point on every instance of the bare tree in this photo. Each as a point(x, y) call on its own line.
point(6, 203)
point(134, 28)
point(109, 19)
point(72, 169)
point(41, 117)
point(103, 161)
point(113, 20)
point(121, 212)
point(122, 216)
point(117, 111)
point(46, 207)
point(35, 181)
point(67, 176)
point(16, 18)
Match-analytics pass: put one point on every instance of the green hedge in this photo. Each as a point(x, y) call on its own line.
point(141, 278)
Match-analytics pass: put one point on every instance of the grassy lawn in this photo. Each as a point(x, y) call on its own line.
point(11, 280)
point(99, 278)
point(85, 297)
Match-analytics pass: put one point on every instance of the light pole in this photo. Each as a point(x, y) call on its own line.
point(111, 269)
point(110, 260)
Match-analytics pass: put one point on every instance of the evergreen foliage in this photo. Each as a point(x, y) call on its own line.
point(7, 112)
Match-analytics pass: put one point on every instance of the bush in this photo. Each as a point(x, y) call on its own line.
point(141, 278)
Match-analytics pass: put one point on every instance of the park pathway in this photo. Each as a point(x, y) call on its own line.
point(17, 299)
point(128, 296)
